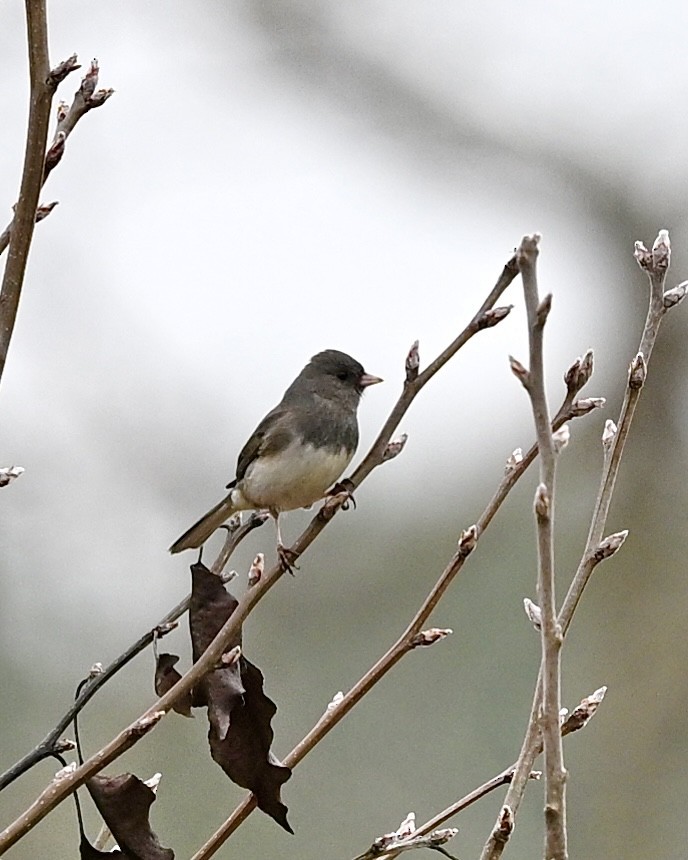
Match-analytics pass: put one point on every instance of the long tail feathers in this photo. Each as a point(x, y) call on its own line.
point(199, 533)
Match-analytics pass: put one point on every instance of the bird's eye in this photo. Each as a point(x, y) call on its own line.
point(342, 375)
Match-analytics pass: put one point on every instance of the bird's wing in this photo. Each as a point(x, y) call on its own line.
point(271, 436)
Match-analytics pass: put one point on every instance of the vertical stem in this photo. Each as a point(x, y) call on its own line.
point(551, 637)
point(32, 176)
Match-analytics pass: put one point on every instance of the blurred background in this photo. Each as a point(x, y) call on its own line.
point(275, 178)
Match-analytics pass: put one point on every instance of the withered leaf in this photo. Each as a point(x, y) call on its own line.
point(88, 852)
point(166, 676)
point(239, 712)
point(244, 754)
point(124, 801)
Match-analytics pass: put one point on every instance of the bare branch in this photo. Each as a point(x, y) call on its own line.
point(551, 638)
point(613, 441)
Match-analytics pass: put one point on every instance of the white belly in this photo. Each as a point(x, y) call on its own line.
point(295, 478)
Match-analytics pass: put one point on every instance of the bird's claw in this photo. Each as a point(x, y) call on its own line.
point(287, 558)
point(344, 488)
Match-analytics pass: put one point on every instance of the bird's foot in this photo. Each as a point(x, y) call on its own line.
point(287, 558)
point(346, 489)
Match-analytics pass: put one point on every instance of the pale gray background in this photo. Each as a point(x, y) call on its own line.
point(271, 179)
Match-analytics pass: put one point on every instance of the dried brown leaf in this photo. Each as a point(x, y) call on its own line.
point(124, 801)
point(166, 676)
point(239, 713)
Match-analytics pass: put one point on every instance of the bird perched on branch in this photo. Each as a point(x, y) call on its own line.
point(298, 451)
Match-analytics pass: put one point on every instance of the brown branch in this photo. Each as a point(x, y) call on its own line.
point(656, 264)
point(53, 742)
point(36, 136)
point(550, 633)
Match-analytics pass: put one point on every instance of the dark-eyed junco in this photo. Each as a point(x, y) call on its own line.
point(299, 450)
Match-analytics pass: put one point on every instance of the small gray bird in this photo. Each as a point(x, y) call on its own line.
point(298, 451)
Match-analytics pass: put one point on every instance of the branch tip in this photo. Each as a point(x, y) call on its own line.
point(430, 636)
point(468, 541)
point(89, 81)
point(412, 362)
point(519, 371)
point(60, 72)
point(579, 373)
point(44, 210)
point(637, 372)
point(527, 251)
point(9, 474)
point(65, 771)
point(494, 316)
point(676, 295)
point(584, 712)
point(255, 572)
point(586, 404)
point(542, 502)
point(394, 448)
point(561, 438)
point(610, 545)
point(608, 434)
point(513, 460)
point(336, 700)
point(661, 251)
point(642, 256)
point(533, 612)
point(543, 310)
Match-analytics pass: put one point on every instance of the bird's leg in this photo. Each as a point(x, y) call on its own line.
point(346, 488)
point(286, 556)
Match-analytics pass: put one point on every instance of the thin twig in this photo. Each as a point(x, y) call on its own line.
point(550, 633)
point(53, 743)
point(85, 99)
point(656, 264)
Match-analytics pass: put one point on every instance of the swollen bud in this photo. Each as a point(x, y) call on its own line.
point(513, 460)
point(394, 448)
point(533, 612)
point(519, 371)
point(586, 404)
point(637, 372)
point(494, 316)
point(676, 295)
point(255, 572)
point(467, 541)
point(412, 362)
point(610, 545)
point(661, 251)
point(561, 438)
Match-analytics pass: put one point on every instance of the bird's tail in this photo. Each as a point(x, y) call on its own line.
point(199, 533)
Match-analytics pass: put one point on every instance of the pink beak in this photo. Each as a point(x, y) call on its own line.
point(368, 379)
